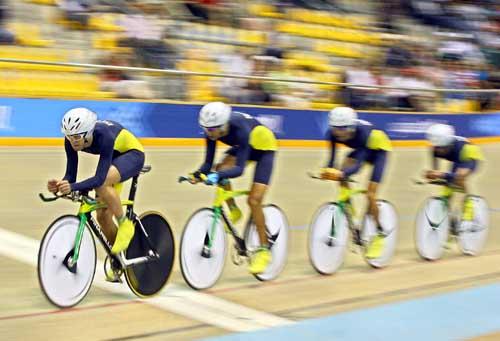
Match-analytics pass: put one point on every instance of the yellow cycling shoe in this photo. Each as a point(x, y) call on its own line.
point(125, 234)
point(235, 214)
point(376, 246)
point(468, 213)
point(260, 261)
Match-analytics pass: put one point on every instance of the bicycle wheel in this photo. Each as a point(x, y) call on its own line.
point(62, 287)
point(472, 234)
point(147, 279)
point(389, 222)
point(327, 252)
point(431, 229)
point(200, 269)
point(278, 234)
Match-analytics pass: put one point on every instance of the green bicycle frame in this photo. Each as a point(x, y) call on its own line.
point(221, 195)
point(345, 205)
point(86, 208)
point(445, 197)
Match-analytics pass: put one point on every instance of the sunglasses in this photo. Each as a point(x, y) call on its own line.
point(213, 129)
point(343, 128)
point(76, 137)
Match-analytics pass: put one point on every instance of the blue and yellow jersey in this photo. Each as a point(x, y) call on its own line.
point(245, 133)
point(365, 139)
point(109, 141)
point(461, 151)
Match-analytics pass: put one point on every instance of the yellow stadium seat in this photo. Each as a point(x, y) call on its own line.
point(104, 22)
point(43, 2)
point(29, 35)
point(264, 10)
point(324, 105)
point(51, 84)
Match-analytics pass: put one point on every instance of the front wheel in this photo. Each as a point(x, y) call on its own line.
point(388, 218)
point(202, 262)
point(472, 234)
point(63, 286)
point(431, 228)
point(147, 279)
point(277, 231)
point(328, 238)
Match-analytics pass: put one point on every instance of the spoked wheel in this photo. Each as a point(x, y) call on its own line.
point(278, 235)
point(328, 238)
point(432, 228)
point(201, 263)
point(472, 234)
point(389, 222)
point(147, 279)
point(65, 286)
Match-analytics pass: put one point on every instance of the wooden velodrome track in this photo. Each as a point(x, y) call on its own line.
point(298, 294)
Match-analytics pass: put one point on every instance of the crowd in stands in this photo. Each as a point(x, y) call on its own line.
point(415, 44)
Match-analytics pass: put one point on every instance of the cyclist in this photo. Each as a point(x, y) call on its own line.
point(369, 146)
point(249, 141)
point(121, 157)
point(464, 156)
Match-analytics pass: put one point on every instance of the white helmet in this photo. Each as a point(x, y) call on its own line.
point(78, 121)
point(441, 135)
point(214, 114)
point(342, 117)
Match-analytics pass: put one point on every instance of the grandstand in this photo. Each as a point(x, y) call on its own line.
point(308, 43)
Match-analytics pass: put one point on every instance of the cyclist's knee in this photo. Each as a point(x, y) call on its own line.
point(221, 166)
point(460, 178)
point(372, 198)
point(254, 201)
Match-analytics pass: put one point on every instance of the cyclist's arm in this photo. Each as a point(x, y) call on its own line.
point(209, 156)
point(242, 156)
point(239, 167)
point(332, 151)
point(105, 160)
point(360, 159)
point(435, 161)
point(71, 163)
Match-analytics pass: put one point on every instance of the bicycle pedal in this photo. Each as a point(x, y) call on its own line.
point(236, 256)
point(115, 279)
point(356, 237)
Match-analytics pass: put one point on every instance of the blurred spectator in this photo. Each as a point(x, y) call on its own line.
point(122, 84)
point(434, 13)
point(238, 62)
point(412, 99)
point(399, 54)
point(297, 95)
point(76, 10)
point(145, 35)
point(360, 97)
point(6, 37)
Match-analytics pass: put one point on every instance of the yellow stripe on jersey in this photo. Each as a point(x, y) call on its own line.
point(262, 138)
point(471, 152)
point(126, 141)
point(378, 140)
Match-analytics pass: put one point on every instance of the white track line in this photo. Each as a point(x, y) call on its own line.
point(191, 304)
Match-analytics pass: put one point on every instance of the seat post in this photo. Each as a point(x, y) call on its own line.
point(131, 196)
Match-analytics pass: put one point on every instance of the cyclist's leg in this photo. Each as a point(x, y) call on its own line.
point(229, 161)
point(379, 160)
point(262, 176)
point(462, 172)
point(376, 245)
point(108, 226)
point(107, 194)
point(127, 165)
